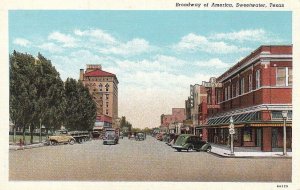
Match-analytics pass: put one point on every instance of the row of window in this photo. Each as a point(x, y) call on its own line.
point(96, 79)
point(284, 77)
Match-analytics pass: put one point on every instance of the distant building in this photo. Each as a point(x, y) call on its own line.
point(208, 104)
point(172, 122)
point(103, 86)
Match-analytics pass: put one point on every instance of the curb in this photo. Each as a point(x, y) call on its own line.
point(258, 157)
point(17, 147)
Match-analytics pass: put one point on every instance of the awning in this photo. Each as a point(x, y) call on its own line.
point(269, 125)
point(245, 117)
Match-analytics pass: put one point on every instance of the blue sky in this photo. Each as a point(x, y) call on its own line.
point(155, 54)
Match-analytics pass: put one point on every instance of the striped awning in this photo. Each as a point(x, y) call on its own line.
point(236, 118)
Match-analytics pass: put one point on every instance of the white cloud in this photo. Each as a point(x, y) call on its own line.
point(66, 39)
point(51, 47)
point(193, 42)
point(152, 94)
point(97, 34)
point(242, 35)
point(251, 35)
point(22, 42)
point(69, 65)
point(214, 62)
point(133, 47)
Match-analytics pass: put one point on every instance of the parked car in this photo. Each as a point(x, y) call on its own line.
point(140, 136)
point(166, 137)
point(191, 142)
point(61, 136)
point(159, 136)
point(110, 137)
point(172, 140)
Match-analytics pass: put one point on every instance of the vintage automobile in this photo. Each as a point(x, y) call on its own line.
point(110, 137)
point(172, 140)
point(61, 136)
point(140, 137)
point(191, 142)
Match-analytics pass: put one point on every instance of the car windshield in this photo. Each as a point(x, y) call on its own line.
point(180, 140)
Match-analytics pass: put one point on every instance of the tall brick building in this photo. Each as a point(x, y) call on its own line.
point(170, 121)
point(103, 86)
point(254, 92)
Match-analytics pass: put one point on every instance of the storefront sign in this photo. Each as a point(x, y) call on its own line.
point(231, 131)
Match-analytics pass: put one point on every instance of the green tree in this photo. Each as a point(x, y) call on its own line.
point(80, 112)
point(88, 108)
point(23, 91)
point(50, 102)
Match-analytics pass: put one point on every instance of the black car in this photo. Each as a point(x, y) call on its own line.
point(191, 142)
point(140, 136)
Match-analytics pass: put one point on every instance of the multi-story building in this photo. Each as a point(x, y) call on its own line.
point(208, 104)
point(174, 121)
point(188, 109)
point(254, 92)
point(103, 86)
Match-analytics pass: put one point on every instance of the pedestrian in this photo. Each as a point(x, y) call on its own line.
point(21, 144)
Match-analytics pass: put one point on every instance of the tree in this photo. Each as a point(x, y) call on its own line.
point(88, 108)
point(36, 92)
point(80, 112)
point(23, 91)
point(50, 95)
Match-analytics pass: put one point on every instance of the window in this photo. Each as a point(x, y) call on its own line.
point(284, 76)
point(237, 88)
point(242, 86)
point(107, 96)
point(229, 92)
point(107, 104)
point(257, 79)
point(247, 134)
point(281, 77)
point(277, 115)
point(250, 82)
point(106, 112)
point(225, 93)
point(232, 91)
point(107, 86)
point(290, 76)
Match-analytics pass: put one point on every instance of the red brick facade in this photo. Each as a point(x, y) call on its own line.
point(254, 91)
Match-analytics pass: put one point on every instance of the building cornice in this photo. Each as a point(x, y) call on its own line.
point(263, 57)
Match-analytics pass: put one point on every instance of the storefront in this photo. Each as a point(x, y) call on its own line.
point(265, 136)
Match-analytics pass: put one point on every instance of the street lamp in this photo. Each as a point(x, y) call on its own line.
point(40, 130)
point(284, 116)
point(231, 132)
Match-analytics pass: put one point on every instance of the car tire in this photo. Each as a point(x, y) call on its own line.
point(53, 143)
point(190, 148)
point(178, 150)
point(208, 149)
point(71, 142)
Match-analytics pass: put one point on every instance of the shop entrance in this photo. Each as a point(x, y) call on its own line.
point(258, 137)
point(274, 138)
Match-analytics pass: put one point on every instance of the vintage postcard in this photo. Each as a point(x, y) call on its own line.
point(150, 95)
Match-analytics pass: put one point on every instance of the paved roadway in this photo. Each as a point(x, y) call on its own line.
point(131, 160)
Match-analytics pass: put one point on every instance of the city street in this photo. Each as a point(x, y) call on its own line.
point(131, 160)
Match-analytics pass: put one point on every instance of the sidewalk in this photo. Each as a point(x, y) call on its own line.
point(242, 152)
point(29, 146)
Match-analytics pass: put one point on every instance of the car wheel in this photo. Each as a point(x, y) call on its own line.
point(208, 149)
point(178, 150)
point(53, 143)
point(190, 148)
point(71, 142)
